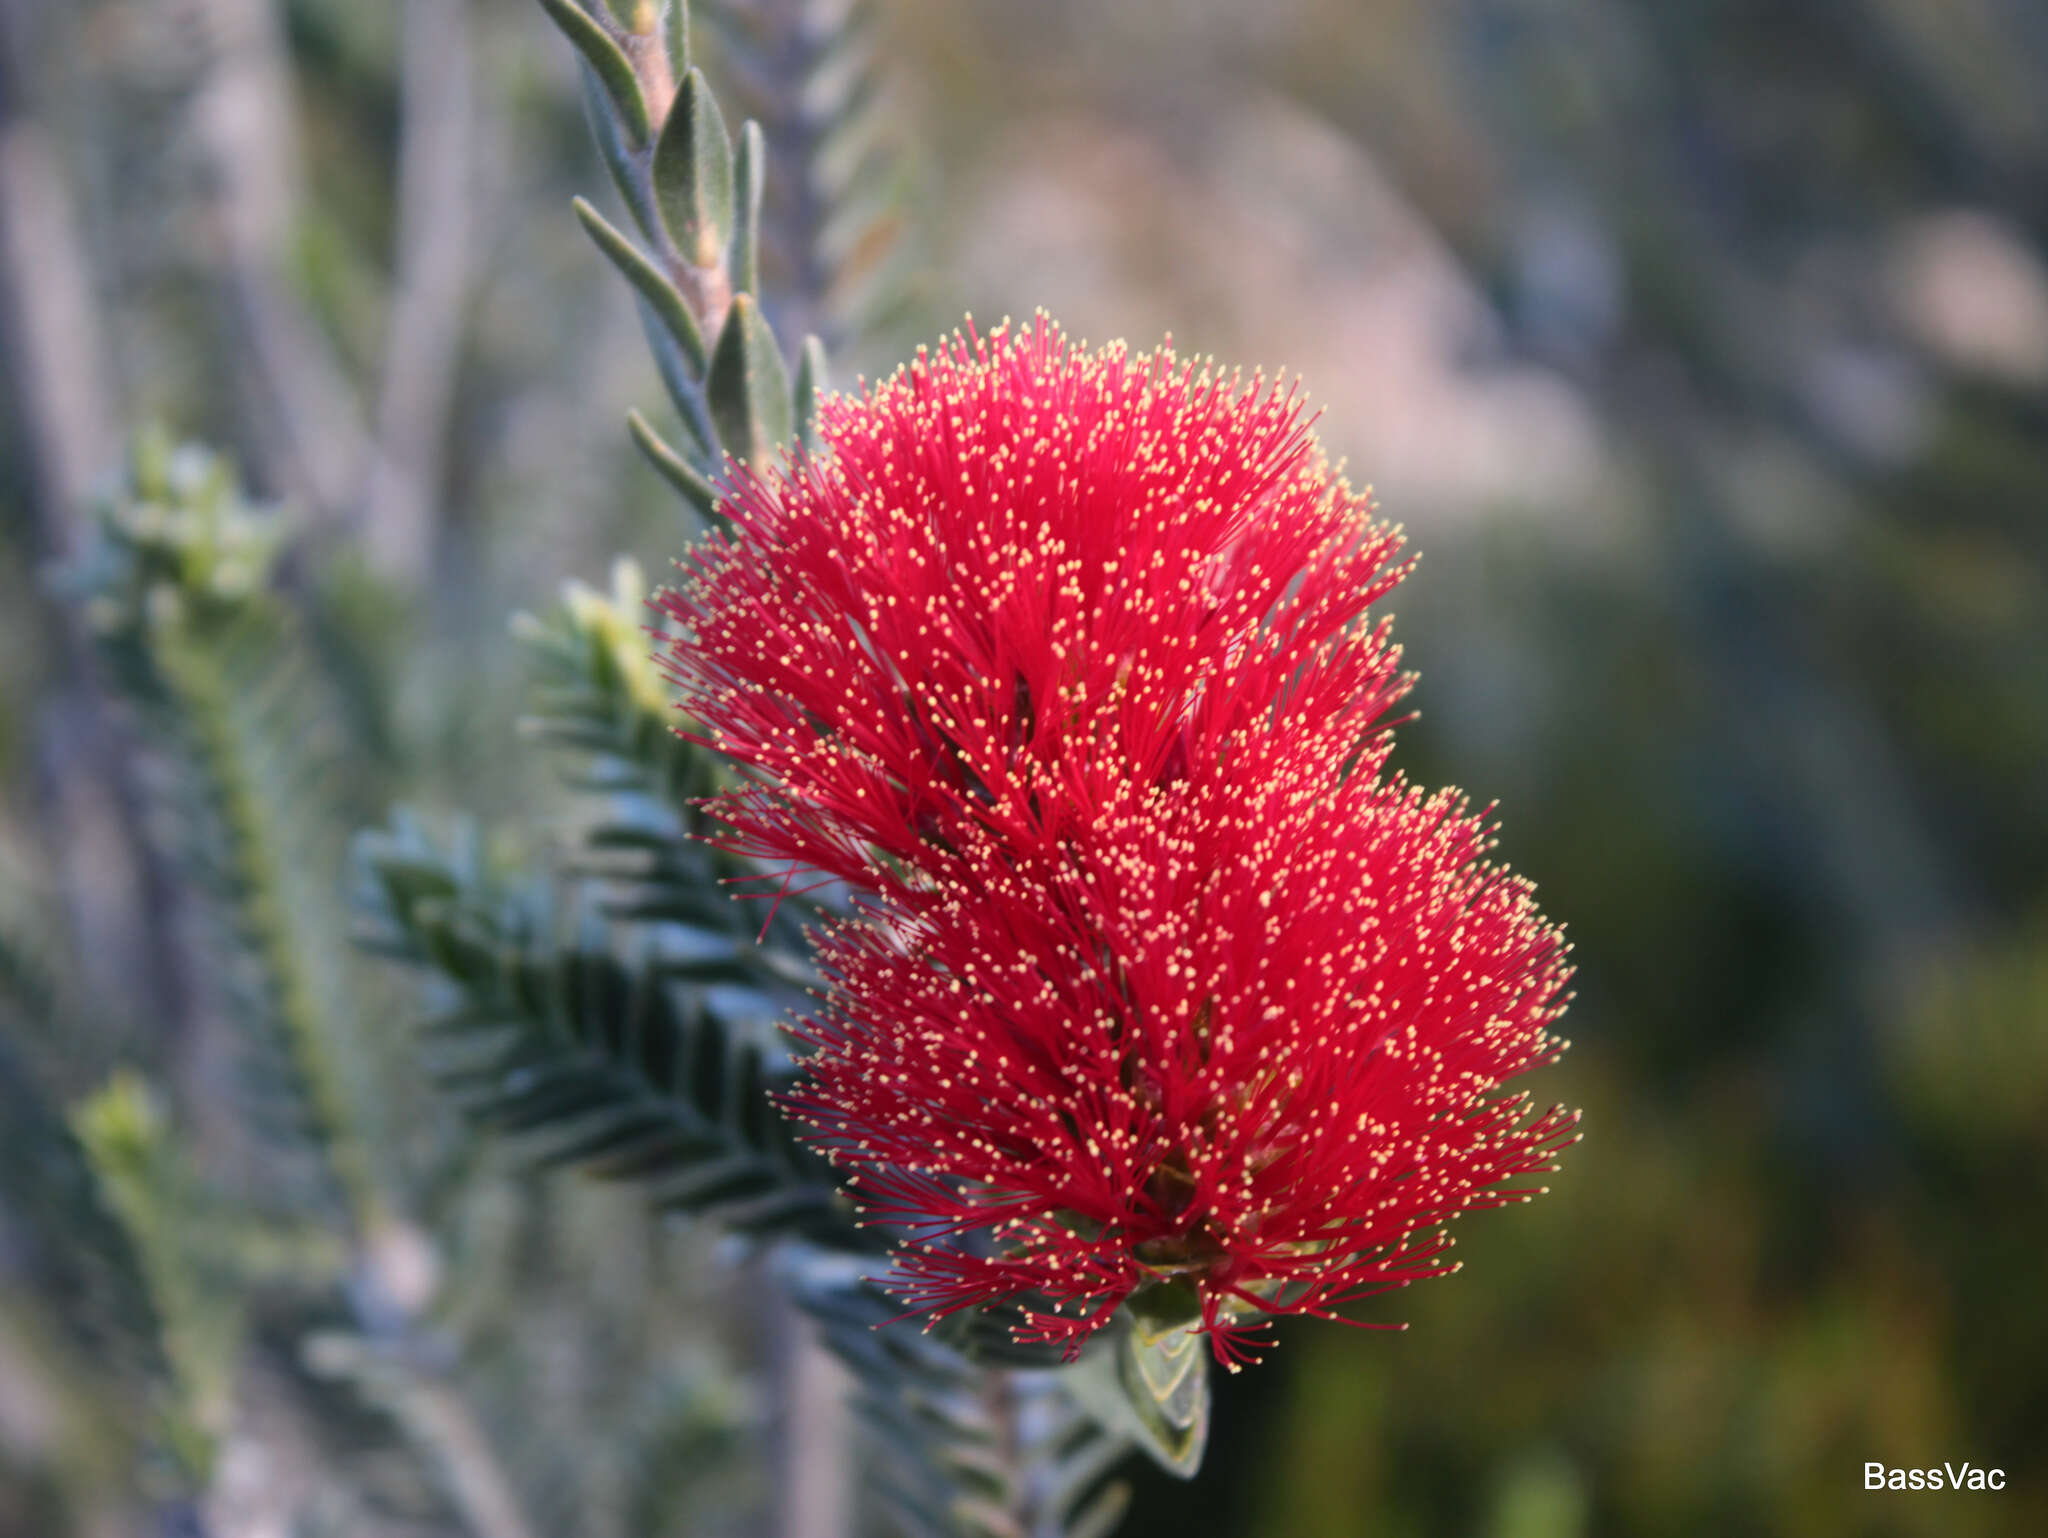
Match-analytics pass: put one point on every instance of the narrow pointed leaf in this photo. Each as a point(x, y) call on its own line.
point(748, 387)
point(576, 1052)
point(810, 384)
point(1102, 1515)
point(696, 490)
point(614, 69)
point(750, 171)
point(693, 174)
point(653, 285)
point(684, 383)
point(605, 1144)
point(620, 158)
point(676, 28)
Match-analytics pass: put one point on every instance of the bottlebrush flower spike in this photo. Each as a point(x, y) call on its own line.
point(1062, 662)
point(1023, 576)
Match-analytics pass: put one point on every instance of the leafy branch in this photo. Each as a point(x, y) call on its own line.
point(638, 1065)
point(146, 1186)
point(178, 593)
point(175, 589)
point(694, 193)
point(600, 702)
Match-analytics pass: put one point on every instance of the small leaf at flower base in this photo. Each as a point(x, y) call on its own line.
point(614, 69)
point(653, 286)
point(676, 470)
point(750, 171)
point(1174, 1370)
point(810, 384)
point(749, 387)
point(693, 174)
point(1153, 1389)
point(1164, 1309)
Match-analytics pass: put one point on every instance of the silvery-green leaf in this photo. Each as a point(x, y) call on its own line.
point(614, 70)
point(676, 28)
point(652, 283)
point(693, 174)
point(684, 383)
point(1164, 1308)
point(810, 384)
point(676, 470)
point(1153, 1389)
point(619, 158)
point(750, 170)
point(748, 386)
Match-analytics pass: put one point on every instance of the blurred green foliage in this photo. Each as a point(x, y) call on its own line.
point(1760, 677)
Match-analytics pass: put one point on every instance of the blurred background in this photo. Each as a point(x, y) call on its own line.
point(1702, 348)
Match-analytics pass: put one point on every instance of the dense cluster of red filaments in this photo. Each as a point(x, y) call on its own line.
point(1060, 661)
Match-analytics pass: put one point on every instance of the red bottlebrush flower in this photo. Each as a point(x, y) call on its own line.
point(1062, 662)
point(1024, 576)
point(1243, 1038)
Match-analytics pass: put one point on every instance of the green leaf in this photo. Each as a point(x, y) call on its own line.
point(693, 174)
point(750, 172)
point(620, 158)
point(1164, 1308)
point(810, 384)
point(624, 1065)
point(672, 331)
point(241, 701)
point(652, 284)
point(1154, 1388)
point(614, 70)
point(176, 584)
point(676, 470)
point(676, 27)
point(602, 702)
point(1102, 1515)
point(146, 1184)
point(685, 386)
point(748, 387)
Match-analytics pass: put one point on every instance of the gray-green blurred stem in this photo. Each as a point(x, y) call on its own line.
point(813, 1476)
point(436, 157)
point(309, 436)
